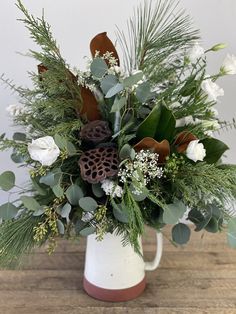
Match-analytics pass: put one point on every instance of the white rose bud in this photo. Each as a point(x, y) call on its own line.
point(229, 65)
point(195, 53)
point(196, 151)
point(44, 150)
point(212, 90)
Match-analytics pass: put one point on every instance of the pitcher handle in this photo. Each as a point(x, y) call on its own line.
point(155, 263)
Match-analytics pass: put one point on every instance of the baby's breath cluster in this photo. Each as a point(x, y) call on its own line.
point(143, 168)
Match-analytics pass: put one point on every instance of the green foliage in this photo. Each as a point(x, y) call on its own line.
point(181, 233)
point(16, 239)
point(30, 203)
point(74, 193)
point(98, 68)
point(8, 211)
point(174, 212)
point(214, 149)
point(88, 204)
point(232, 232)
point(7, 180)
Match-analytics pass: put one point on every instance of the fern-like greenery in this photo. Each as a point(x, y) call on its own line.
point(157, 35)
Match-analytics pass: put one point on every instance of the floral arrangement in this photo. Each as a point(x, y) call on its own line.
point(115, 148)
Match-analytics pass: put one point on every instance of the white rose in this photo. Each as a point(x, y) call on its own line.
point(229, 64)
point(44, 150)
point(195, 53)
point(195, 151)
point(212, 89)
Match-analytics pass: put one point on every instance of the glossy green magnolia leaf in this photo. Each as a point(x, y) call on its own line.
point(181, 233)
point(119, 103)
point(120, 212)
point(74, 193)
point(19, 137)
point(98, 68)
point(30, 203)
point(108, 82)
point(174, 212)
point(143, 92)
point(60, 227)
point(149, 126)
point(166, 126)
point(88, 204)
point(214, 149)
point(8, 211)
point(127, 152)
point(213, 225)
point(7, 180)
point(87, 231)
point(133, 79)
point(232, 232)
point(114, 90)
point(97, 190)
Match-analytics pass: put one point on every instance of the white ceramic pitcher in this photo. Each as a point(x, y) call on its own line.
point(114, 272)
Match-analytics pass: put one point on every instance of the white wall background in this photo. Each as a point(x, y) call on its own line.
point(75, 22)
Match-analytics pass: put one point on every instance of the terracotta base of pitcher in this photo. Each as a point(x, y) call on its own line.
point(114, 295)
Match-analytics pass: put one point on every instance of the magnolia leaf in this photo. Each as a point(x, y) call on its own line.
point(143, 92)
point(30, 203)
point(162, 148)
point(19, 137)
point(90, 107)
point(173, 212)
point(97, 190)
point(181, 233)
point(7, 180)
point(60, 227)
point(74, 193)
point(102, 44)
point(120, 213)
point(119, 103)
point(114, 90)
point(214, 149)
point(149, 126)
point(98, 67)
point(87, 231)
point(133, 79)
point(108, 82)
point(88, 204)
point(232, 232)
point(8, 211)
point(166, 125)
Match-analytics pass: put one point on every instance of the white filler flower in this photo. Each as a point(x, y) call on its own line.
point(44, 150)
point(212, 90)
point(195, 53)
point(196, 151)
point(229, 64)
point(111, 188)
point(15, 110)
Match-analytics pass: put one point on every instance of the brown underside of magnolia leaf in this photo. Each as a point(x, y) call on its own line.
point(69, 75)
point(162, 148)
point(182, 141)
point(102, 43)
point(90, 106)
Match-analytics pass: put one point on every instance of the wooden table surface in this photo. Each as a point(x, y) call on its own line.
point(200, 278)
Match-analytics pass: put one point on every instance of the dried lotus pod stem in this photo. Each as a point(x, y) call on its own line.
point(98, 164)
point(96, 132)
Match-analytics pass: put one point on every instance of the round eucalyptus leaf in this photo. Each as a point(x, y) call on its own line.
point(74, 193)
point(87, 231)
point(98, 67)
point(60, 227)
point(8, 211)
point(97, 190)
point(88, 204)
point(181, 233)
point(30, 203)
point(7, 180)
